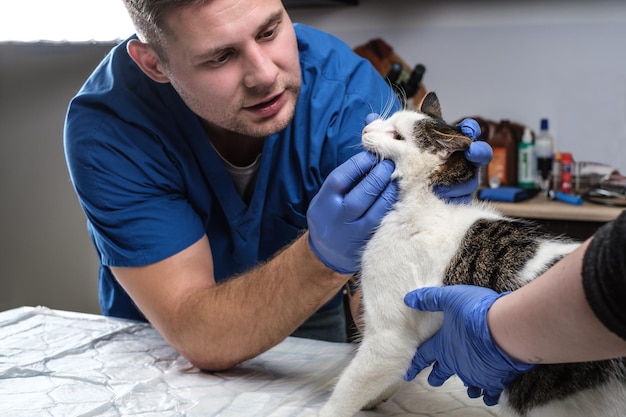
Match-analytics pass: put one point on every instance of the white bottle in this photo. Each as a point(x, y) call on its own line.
point(544, 150)
point(527, 162)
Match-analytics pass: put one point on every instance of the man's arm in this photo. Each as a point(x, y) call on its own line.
point(216, 326)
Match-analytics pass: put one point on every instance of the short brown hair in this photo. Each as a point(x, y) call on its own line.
point(148, 17)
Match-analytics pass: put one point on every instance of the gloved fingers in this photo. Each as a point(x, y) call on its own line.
point(411, 373)
point(479, 153)
point(417, 366)
point(371, 117)
point(464, 199)
point(381, 205)
point(491, 397)
point(345, 176)
point(465, 189)
point(423, 358)
point(470, 128)
point(425, 299)
point(474, 392)
point(439, 375)
point(448, 297)
point(366, 194)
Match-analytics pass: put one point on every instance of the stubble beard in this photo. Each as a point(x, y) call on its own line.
point(226, 122)
point(273, 126)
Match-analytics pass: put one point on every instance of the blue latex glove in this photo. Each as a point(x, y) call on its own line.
point(348, 207)
point(479, 152)
point(463, 345)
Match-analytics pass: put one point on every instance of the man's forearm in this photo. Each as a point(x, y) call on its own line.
point(246, 315)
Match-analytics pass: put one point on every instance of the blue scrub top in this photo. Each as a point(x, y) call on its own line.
point(151, 184)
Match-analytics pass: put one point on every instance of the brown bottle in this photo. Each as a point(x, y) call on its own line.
point(502, 170)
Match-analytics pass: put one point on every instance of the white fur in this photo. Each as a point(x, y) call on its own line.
point(411, 249)
point(547, 251)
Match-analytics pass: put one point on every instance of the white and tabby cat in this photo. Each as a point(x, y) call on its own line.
point(425, 242)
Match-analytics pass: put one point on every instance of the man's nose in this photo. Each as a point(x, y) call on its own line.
point(260, 68)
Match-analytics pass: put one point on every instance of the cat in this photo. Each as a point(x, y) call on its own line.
point(423, 242)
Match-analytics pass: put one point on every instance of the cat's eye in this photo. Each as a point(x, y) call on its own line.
point(397, 135)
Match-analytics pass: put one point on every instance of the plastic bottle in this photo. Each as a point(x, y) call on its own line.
point(555, 180)
point(566, 172)
point(502, 169)
point(544, 149)
point(527, 162)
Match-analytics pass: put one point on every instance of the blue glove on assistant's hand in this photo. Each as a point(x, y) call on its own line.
point(348, 207)
point(480, 153)
point(463, 345)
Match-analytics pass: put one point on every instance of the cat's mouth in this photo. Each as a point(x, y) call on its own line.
point(371, 148)
point(367, 145)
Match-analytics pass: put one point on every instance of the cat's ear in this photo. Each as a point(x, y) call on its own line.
point(449, 140)
point(430, 105)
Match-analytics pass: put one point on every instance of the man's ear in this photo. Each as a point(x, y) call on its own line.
point(147, 60)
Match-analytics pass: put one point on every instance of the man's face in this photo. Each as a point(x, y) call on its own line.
point(235, 64)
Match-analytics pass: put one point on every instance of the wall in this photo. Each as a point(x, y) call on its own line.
point(516, 60)
point(520, 60)
point(46, 257)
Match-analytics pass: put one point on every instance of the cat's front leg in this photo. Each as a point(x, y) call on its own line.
point(377, 367)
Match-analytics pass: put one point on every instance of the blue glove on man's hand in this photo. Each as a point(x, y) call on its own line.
point(479, 152)
point(463, 345)
point(348, 207)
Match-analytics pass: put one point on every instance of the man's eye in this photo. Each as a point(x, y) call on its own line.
point(268, 34)
point(220, 59)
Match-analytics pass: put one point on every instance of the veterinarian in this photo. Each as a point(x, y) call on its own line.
point(203, 149)
point(574, 312)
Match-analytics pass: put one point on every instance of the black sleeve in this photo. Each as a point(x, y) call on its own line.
point(604, 275)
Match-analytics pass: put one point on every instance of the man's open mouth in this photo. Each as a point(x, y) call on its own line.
point(265, 103)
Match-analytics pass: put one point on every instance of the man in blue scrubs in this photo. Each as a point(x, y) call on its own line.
point(198, 150)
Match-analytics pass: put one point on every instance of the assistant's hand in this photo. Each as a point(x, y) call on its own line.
point(348, 207)
point(463, 345)
point(480, 153)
